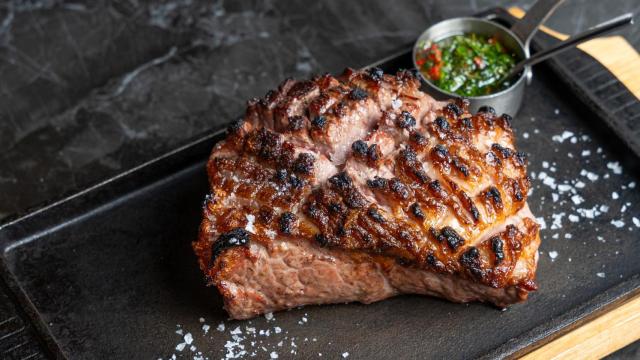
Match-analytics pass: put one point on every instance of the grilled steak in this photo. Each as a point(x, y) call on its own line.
point(361, 187)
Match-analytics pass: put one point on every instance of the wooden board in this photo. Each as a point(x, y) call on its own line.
point(620, 326)
point(598, 338)
point(624, 62)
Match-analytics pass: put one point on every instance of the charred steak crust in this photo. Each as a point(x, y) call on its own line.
point(360, 187)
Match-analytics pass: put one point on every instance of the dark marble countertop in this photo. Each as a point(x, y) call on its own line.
point(89, 90)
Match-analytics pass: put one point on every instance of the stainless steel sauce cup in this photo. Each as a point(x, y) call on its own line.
point(516, 40)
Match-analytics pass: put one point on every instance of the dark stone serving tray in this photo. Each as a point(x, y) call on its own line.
point(109, 273)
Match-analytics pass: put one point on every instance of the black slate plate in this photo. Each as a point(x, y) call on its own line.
point(109, 273)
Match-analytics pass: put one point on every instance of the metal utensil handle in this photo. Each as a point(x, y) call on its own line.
point(526, 27)
point(595, 31)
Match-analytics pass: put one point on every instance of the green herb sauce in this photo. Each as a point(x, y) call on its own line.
point(467, 65)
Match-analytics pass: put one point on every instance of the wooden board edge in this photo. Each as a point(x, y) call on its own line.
point(597, 338)
point(624, 63)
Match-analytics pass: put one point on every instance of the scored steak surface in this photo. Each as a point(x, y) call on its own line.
point(361, 187)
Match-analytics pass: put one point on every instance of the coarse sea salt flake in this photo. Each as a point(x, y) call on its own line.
point(236, 331)
point(579, 185)
point(550, 182)
point(181, 346)
point(577, 199)
point(564, 188)
point(205, 328)
point(220, 327)
point(574, 218)
point(250, 221)
point(632, 185)
point(600, 275)
point(585, 153)
point(345, 355)
point(617, 223)
point(615, 167)
point(188, 338)
point(557, 220)
point(268, 316)
point(273, 355)
point(555, 197)
point(614, 195)
point(561, 138)
point(541, 222)
point(553, 255)
point(636, 221)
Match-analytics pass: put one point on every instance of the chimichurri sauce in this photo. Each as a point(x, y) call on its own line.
point(467, 65)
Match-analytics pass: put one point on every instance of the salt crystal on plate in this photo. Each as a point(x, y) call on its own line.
point(615, 166)
point(220, 327)
point(345, 355)
point(557, 220)
point(632, 185)
point(617, 223)
point(553, 255)
point(636, 221)
point(614, 195)
point(568, 236)
point(181, 346)
point(574, 218)
point(586, 152)
point(268, 316)
point(541, 222)
point(600, 275)
point(205, 328)
point(273, 355)
point(545, 164)
point(577, 199)
point(188, 338)
point(579, 184)
point(555, 197)
point(561, 138)
point(525, 135)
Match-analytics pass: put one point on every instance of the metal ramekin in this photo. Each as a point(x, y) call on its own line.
point(515, 40)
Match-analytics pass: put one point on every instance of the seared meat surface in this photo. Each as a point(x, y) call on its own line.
point(361, 187)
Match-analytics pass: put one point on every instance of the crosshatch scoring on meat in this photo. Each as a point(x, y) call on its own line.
point(361, 187)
